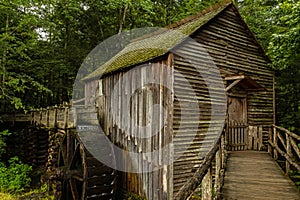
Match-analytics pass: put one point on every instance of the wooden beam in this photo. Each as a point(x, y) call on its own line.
point(237, 77)
point(232, 84)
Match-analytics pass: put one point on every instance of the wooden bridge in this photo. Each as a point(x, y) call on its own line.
point(235, 167)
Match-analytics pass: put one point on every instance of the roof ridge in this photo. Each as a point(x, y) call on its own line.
point(199, 14)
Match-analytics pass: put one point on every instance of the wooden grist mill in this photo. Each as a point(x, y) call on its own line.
point(226, 151)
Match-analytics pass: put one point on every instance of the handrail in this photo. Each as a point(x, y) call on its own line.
point(203, 174)
point(63, 116)
point(285, 143)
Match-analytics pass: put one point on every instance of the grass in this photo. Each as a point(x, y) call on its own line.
point(4, 196)
point(36, 194)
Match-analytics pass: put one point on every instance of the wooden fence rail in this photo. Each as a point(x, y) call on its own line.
point(285, 143)
point(204, 175)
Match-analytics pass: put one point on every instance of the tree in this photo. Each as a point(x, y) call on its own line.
point(284, 49)
point(17, 40)
point(276, 25)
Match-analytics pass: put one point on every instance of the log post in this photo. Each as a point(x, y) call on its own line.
point(275, 143)
point(55, 116)
point(207, 185)
point(218, 170)
point(40, 116)
point(66, 117)
point(289, 154)
point(250, 141)
point(270, 136)
point(223, 151)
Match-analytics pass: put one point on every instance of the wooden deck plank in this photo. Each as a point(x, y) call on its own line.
point(255, 175)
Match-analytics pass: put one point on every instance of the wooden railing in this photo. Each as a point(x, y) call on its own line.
point(241, 136)
point(286, 144)
point(63, 116)
point(213, 164)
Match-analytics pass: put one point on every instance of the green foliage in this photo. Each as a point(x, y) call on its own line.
point(15, 177)
point(3, 135)
point(276, 23)
point(132, 196)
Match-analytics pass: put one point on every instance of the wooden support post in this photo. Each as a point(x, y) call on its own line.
point(207, 185)
point(260, 138)
point(250, 134)
point(270, 136)
point(66, 117)
point(226, 136)
point(74, 116)
point(275, 143)
point(218, 170)
point(289, 154)
point(47, 117)
point(40, 117)
point(55, 116)
point(223, 151)
point(255, 138)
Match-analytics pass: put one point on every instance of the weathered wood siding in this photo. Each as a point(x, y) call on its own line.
point(197, 84)
point(234, 51)
point(132, 105)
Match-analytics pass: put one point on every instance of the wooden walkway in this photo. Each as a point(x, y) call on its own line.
point(255, 175)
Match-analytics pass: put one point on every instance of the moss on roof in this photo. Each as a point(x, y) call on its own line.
point(157, 44)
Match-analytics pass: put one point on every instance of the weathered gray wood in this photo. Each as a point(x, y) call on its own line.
point(260, 138)
point(289, 153)
point(218, 168)
point(255, 175)
point(270, 138)
point(207, 185)
point(192, 183)
point(274, 143)
point(295, 164)
point(250, 138)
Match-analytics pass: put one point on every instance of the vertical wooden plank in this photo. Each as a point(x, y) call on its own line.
point(207, 185)
point(232, 135)
point(246, 137)
point(143, 117)
point(235, 136)
point(289, 153)
point(243, 136)
point(120, 113)
point(66, 117)
point(239, 135)
point(260, 138)
point(55, 116)
point(250, 138)
point(157, 138)
point(255, 139)
point(170, 106)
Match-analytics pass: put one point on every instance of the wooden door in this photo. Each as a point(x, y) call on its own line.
point(237, 123)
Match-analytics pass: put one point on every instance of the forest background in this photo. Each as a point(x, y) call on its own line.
point(44, 42)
